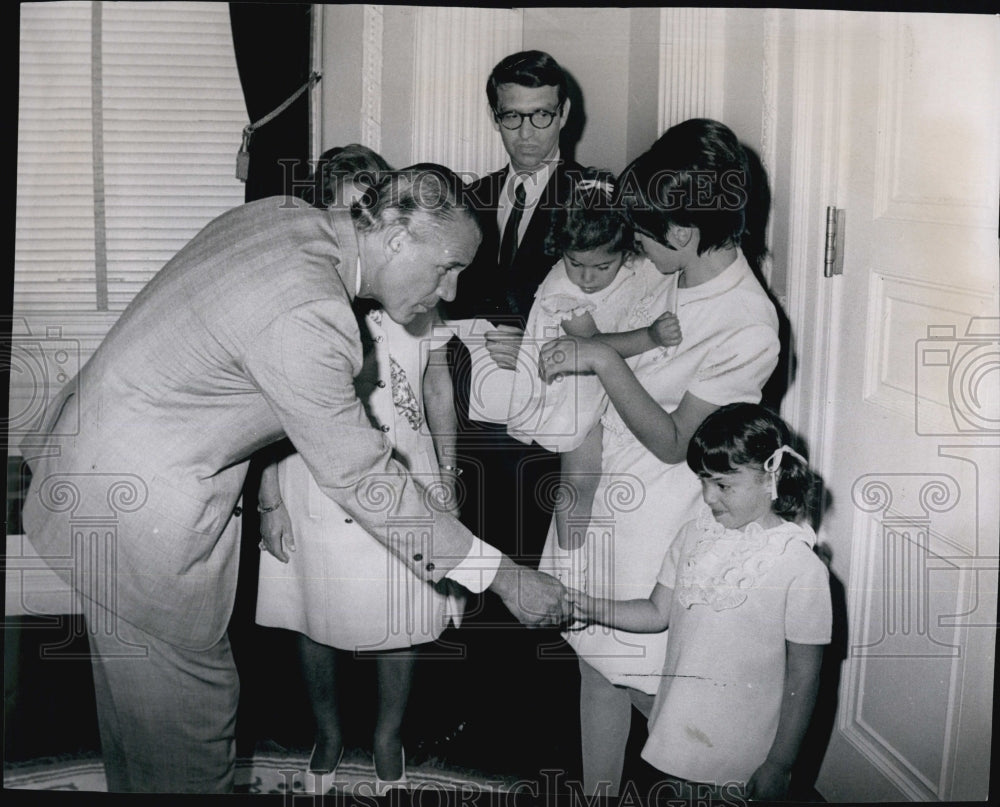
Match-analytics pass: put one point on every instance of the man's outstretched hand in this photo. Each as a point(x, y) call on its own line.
point(535, 598)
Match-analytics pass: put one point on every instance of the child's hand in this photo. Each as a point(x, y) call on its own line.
point(582, 325)
point(769, 782)
point(666, 330)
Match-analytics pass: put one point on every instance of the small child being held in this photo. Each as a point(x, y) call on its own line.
point(601, 288)
point(747, 602)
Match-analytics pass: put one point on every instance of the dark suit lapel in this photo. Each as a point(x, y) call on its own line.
point(538, 227)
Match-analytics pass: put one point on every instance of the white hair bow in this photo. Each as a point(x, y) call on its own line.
point(603, 184)
point(772, 463)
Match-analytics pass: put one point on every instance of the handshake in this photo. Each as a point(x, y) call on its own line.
point(539, 599)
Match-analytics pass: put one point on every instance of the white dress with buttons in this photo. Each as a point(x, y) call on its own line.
point(341, 587)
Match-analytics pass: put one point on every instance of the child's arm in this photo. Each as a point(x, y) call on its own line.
point(439, 409)
point(638, 616)
point(802, 665)
point(664, 331)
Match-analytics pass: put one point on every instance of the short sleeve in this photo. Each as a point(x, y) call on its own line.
point(671, 561)
point(808, 608)
point(738, 366)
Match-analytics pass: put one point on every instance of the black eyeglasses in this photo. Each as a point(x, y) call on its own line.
point(540, 118)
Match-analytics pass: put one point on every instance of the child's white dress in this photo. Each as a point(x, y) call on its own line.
point(739, 595)
point(558, 416)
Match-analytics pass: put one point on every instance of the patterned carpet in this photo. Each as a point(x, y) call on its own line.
point(265, 773)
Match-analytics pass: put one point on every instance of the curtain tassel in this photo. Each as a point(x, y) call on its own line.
point(243, 155)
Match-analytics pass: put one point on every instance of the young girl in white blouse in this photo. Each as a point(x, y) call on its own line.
point(747, 603)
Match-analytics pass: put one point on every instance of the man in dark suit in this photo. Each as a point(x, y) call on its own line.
point(505, 481)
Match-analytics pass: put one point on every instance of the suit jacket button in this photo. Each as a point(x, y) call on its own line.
point(384, 428)
point(429, 567)
point(237, 511)
point(348, 520)
point(418, 557)
point(381, 384)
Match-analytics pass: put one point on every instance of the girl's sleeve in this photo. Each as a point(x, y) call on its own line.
point(672, 559)
point(808, 609)
point(739, 366)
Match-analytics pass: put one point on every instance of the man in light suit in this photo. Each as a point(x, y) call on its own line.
point(244, 337)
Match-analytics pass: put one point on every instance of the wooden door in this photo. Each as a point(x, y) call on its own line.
point(899, 393)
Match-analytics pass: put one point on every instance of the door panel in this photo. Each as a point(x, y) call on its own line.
point(910, 443)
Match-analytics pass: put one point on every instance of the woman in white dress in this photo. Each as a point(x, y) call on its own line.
point(686, 197)
point(330, 581)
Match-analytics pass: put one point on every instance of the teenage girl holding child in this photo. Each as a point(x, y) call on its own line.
point(685, 201)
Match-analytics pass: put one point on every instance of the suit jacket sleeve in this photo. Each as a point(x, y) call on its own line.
point(304, 363)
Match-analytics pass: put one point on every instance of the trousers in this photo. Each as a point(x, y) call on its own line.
point(166, 715)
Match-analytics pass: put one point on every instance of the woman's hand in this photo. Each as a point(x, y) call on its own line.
point(769, 782)
point(571, 355)
point(276, 533)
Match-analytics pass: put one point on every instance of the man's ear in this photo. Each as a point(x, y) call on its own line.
point(392, 239)
point(565, 113)
point(493, 117)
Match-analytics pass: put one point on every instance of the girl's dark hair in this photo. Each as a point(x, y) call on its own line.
point(744, 434)
point(589, 218)
point(353, 161)
point(696, 175)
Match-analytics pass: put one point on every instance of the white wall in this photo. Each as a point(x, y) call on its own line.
point(611, 53)
point(593, 46)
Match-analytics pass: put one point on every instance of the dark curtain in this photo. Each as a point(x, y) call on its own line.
point(272, 44)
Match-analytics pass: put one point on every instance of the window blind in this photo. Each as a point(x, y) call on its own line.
point(129, 118)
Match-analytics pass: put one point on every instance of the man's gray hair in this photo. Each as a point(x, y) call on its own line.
point(421, 198)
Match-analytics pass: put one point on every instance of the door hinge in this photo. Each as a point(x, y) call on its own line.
point(833, 251)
